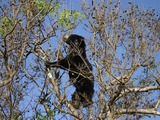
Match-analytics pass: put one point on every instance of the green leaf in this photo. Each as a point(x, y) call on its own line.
point(70, 18)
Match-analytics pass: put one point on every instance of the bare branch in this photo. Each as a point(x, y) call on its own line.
point(141, 89)
point(5, 82)
point(140, 111)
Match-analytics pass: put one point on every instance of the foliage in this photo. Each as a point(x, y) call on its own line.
point(6, 25)
point(44, 7)
point(69, 19)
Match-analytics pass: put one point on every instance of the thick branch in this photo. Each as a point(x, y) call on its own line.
point(146, 89)
point(140, 111)
point(5, 82)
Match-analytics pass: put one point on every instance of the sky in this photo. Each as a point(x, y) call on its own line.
point(143, 4)
point(146, 4)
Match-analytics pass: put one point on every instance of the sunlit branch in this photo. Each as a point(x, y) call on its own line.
point(140, 111)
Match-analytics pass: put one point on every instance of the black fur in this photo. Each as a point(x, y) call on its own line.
point(80, 70)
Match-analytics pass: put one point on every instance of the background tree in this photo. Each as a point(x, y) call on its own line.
point(123, 47)
point(125, 51)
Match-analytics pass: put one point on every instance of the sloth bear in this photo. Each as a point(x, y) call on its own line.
point(80, 70)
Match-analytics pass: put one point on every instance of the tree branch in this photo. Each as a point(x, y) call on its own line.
point(140, 111)
point(146, 89)
point(5, 82)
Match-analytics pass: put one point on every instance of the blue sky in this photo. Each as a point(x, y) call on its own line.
point(143, 4)
point(148, 3)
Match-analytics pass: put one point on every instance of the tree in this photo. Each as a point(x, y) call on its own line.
point(123, 48)
point(125, 53)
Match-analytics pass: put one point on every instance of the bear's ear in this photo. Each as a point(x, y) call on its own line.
point(65, 38)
